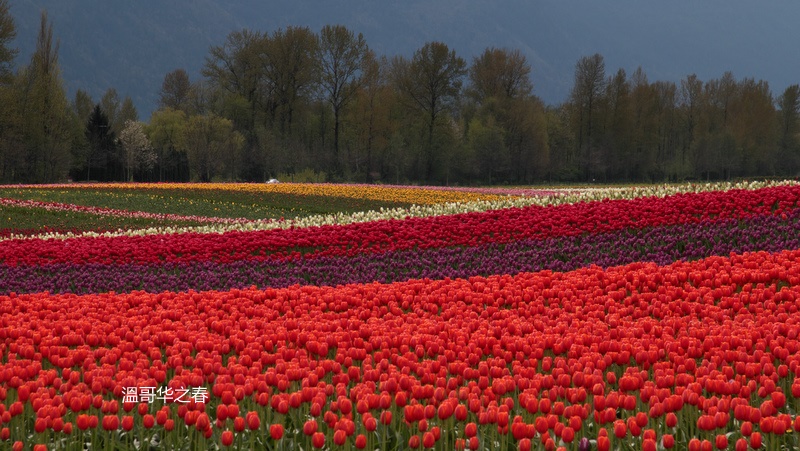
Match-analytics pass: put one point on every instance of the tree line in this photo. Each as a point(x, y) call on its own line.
point(298, 104)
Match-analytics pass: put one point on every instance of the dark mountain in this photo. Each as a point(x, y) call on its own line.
point(131, 44)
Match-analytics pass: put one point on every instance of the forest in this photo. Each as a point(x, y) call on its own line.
point(304, 105)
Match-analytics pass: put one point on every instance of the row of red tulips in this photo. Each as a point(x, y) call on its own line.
point(469, 229)
point(634, 356)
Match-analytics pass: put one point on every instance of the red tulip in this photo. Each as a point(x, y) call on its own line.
point(339, 437)
point(40, 425)
point(238, 424)
point(568, 435)
point(318, 440)
point(148, 421)
point(620, 431)
point(253, 421)
point(110, 422)
point(428, 440)
point(470, 430)
point(127, 422)
point(276, 431)
point(227, 438)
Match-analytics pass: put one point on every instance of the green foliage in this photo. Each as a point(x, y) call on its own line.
point(487, 142)
point(212, 147)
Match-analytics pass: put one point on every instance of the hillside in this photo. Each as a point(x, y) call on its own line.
point(131, 45)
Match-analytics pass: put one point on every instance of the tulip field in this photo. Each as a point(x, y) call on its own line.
point(342, 317)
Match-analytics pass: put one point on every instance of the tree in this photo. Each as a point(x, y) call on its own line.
point(48, 126)
point(165, 131)
point(110, 105)
point(12, 137)
point(236, 68)
point(101, 153)
point(127, 112)
point(789, 133)
point(589, 84)
point(139, 153)
point(10, 126)
point(618, 125)
point(717, 157)
point(8, 31)
point(342, 56)
point(175, 91)
point(291, 70)
point(370, 117)
point(83, 105)
point(690, 99)
point(488, 147)
point(431, 82)
point(211, 144)
point(500, 73)
point(500, 86)
point(752, 124)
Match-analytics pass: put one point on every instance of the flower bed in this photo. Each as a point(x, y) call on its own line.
point(658, 322)
point(648, 353)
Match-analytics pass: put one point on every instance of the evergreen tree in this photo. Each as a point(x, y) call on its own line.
point(101, 160)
